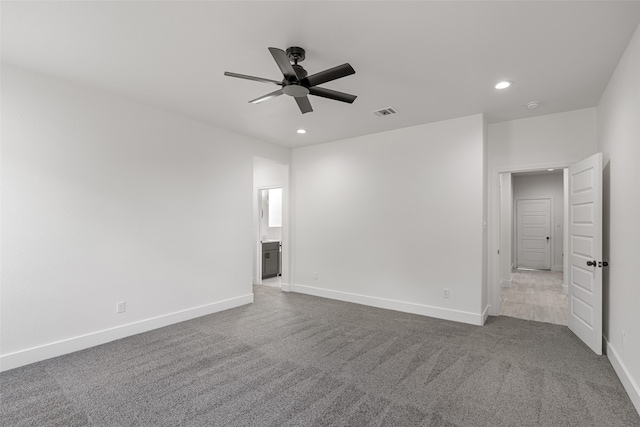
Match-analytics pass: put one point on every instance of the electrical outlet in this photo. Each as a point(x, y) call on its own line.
point(120, 307)
point(445, 293)
point(315, 276)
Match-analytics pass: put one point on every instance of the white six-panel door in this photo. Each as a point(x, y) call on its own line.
point(585, 251)
point(533, 232)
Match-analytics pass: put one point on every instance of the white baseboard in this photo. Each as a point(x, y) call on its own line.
point(47, 351)
point(285, 287)
point(406, 307)
point(485, 313)
point(625, 378)
point(505, 283)
point(557, 268)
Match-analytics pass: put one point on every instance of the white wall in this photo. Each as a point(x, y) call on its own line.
point(619, 141)
point(268, 173)
point(391, 219)
point(554, 140)
point(545, 186)
point(105, 200)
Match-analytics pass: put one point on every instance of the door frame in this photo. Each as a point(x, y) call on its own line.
point(493, 241)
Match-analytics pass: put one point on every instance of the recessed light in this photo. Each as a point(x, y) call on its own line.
point(550, 170)
point(301, 131)
point(503, 85)
point(532, 104)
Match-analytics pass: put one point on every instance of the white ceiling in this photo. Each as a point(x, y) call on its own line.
point(429, 60)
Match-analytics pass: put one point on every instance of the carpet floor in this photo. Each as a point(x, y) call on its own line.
point(296, 360)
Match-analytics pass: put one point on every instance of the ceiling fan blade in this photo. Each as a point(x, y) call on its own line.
point(267, 96)
point(304, 104)
point(330, 74)
point(332, 94)
point(257, 79)
point(283, 62)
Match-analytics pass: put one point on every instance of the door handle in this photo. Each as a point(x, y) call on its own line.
point(599, 264)
point(547, 238)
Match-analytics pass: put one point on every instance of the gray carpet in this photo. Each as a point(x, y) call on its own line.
point(297, 360)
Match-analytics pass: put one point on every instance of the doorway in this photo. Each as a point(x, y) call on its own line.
point(270, 231)
point(532, 235)
point(582, 244)
point(271, 179)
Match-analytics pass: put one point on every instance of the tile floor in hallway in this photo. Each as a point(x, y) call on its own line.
point(535, 295)
point(272, 281)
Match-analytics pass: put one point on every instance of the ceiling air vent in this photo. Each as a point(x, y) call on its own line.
point(385, 112)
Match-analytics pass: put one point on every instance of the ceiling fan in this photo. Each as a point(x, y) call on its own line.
point(297, 83)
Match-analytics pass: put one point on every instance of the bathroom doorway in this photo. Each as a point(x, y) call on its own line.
point(270, 232)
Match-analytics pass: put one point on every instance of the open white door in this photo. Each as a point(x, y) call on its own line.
point(585, 251)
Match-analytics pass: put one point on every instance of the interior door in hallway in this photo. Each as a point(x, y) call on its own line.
point(585, 251)
point(533, 219)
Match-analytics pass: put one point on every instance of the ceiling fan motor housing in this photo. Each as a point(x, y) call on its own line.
point(295, 54)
